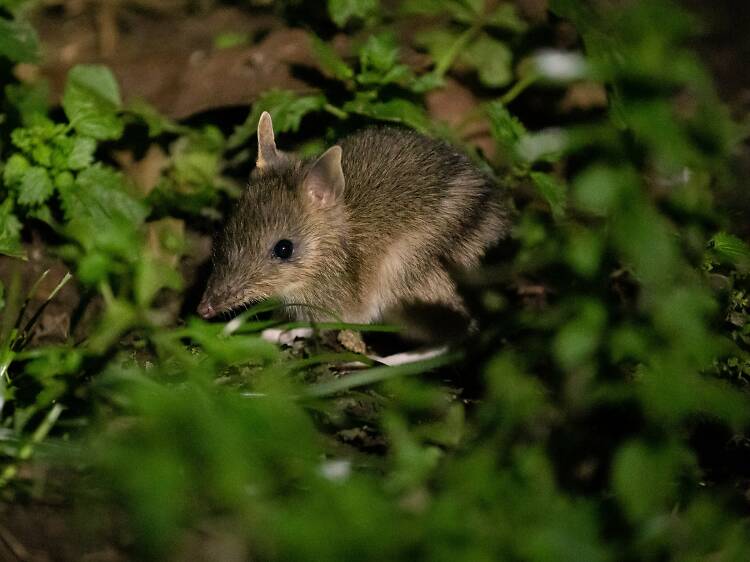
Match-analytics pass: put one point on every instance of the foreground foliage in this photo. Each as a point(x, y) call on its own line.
point(604, 402)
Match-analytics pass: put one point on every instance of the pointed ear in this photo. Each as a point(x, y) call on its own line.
point(268, 155)
point(324, 182)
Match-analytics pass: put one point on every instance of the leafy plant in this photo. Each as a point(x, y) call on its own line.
point(469, 40)
point(600, 412)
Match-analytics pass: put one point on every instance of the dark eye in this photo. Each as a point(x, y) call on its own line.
point(283, 249)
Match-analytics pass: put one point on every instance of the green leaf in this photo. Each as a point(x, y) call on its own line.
point(465, 11)
point(506, 129)
point(16, 166)
point(153, 275)
point(598, 188)
point(553, 191)
point(423, 7)
point(380, 52)
point(10, 231)
point(645, 478)
point(30, 100)
point(437, 41)
point(286, 108)
point(492, 59)
point(156, 122)
point(36, 186)
point(330, 62)
point(18, 41)
point(82, 153)
point(91, 101)
point(584, 251)
point(229, 39)
point(579, 338)
point(341, 11)
point(397, 111)
point(97, 205)
point(730, 248)
point(506, 16)
point(378, 60)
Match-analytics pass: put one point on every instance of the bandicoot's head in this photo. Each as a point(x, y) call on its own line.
point(285, 231)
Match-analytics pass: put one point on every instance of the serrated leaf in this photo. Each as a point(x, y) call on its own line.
point(492, 59)
point(380, 52)
point(98, 197)
point(10, 231)
point(286, 108)
point(18, 41)
point(82, 153)
point(341, 11)
point(36, 186)
point(378, 60)
point(552, 190)
point(91, 101)
point(330, 62)
point(506, 129)
point(15, 168)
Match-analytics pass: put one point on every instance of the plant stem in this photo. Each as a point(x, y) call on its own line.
point(378, 374)
point(444, 64)
point(518, 88)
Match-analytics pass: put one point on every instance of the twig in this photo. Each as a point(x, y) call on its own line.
point(13, 544)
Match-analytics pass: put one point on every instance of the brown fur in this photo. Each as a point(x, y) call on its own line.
point(412, 209)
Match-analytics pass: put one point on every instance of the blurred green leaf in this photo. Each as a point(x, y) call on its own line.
point(342, 11)
point(552, 190)
point(230, 39)
point(156, 122)
point(600, 188)
point(378, 59)
point(505, 16)
point(286, 108)
point(30, 100)
point(645, 478)
point(437, 41)
point(492, 59)
point(10, 231)
point(18, 41)
point(331, 63)
point(506, 129)
point(396, 110)
point(579, 338)
point(91, 102)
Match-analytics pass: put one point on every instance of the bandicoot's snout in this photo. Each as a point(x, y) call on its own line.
point(206, 309)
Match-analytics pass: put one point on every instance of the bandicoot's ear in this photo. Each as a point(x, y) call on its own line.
point(268, 156)
point(324, 182)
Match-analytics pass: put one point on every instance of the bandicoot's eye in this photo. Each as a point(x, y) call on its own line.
point(283, 249)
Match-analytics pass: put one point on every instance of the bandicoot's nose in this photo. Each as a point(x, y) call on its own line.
point(206, 310)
